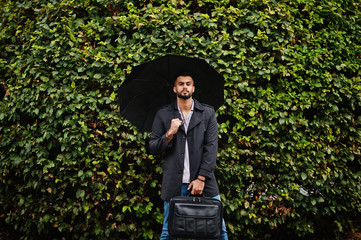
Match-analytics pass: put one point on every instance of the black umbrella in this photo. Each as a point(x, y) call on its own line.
point(149, 86)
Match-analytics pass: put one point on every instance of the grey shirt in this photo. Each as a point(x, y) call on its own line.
point(186, 168)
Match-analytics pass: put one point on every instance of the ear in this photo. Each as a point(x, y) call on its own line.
point(174, 90)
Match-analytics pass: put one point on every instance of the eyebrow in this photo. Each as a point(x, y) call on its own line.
point(186, 82)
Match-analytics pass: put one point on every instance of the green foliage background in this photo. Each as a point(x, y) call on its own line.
point(289, 157)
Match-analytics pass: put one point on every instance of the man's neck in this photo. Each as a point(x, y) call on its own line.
point(185, 104)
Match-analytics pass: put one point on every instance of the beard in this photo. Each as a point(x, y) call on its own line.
point(185, 97)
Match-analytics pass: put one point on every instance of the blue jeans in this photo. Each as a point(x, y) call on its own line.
point(185, 192)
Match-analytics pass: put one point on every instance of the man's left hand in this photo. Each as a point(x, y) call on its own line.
point(197, 187)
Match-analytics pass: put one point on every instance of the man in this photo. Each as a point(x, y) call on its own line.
point(187, 132)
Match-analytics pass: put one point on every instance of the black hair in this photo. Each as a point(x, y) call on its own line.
point(184, 74)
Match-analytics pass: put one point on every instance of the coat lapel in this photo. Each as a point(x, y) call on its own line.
point(195, 119)
point(197, 115)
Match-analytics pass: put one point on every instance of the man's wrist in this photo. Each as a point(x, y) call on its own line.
point(168, 136)
point(201, 178)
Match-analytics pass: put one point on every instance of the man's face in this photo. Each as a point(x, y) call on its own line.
point(184, 87)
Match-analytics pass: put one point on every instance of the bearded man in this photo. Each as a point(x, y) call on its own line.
point(187, 132)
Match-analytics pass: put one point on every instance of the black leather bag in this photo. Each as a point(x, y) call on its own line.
point(195, 217)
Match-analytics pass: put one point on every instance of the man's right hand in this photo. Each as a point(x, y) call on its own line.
point(174, 126)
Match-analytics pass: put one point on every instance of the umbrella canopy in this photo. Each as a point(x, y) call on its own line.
point(149, 86)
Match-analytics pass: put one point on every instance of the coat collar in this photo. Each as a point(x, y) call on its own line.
point(197, 105)
point(196, 116)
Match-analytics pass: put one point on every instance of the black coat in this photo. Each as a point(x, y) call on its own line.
point(202, 138)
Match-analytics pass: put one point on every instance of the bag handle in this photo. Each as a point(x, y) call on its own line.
point(196, 198)
point(195, 195)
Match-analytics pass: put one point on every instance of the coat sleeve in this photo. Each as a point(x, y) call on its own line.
point(158, 141)
point(210, 147)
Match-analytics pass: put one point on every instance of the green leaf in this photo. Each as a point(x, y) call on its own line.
point(303, 176)
point(80, 193)
point(97, 76)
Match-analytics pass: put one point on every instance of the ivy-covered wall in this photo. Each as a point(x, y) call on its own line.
point(289, 131)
